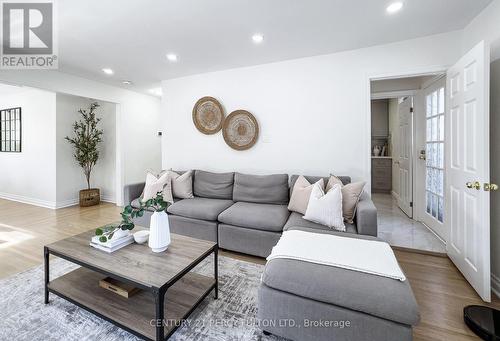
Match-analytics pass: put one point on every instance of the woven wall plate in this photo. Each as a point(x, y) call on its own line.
point(208, 115)
point(240, 130)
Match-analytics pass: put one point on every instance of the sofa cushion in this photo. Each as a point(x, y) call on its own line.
point(213, 185)
point(375, 295)
point(267, 217)
point(265, 189)
point(199, 208)
point(297, 220)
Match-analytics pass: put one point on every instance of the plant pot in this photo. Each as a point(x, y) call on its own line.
point(90, 197)
point(159, 232)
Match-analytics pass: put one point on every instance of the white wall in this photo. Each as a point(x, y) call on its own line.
point(70, 177)
point(313, 112)
point(138, 118)
point(30, 176)
point(380, 117)
point(486, 26)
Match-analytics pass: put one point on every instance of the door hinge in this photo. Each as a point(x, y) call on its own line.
point(411, 109)
point(411, 203)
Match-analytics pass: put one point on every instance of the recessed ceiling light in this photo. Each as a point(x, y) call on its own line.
point(127, 82)
point(156, 91)
point(172, 57)
point(394, 7)
point(107, 71)
point(258, 38)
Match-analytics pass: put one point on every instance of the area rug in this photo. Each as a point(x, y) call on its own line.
point(24, 316)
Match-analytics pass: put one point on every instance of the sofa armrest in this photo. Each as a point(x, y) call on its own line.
point(366, 216)
point(132, 191)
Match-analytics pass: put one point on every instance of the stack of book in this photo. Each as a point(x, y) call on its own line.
point(112, 244)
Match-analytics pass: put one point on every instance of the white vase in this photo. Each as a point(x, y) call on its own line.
point(159, 232)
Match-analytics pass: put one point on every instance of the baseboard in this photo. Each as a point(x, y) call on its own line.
point(67, 203)
point(50, 204)
point(495, 285)
point(28, 200)
point(109, 198)
point(76, 201)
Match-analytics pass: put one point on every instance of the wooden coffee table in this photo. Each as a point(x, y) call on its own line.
point(170, 292)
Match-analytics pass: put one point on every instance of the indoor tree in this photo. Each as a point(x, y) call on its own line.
point(86, 139)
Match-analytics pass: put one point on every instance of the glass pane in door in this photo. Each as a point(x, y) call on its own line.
point(435, 108)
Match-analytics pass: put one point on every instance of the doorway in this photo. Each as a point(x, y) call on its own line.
point(398, 185)
point(466, 184)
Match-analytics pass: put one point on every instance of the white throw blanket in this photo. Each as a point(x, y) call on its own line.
point(369, 256)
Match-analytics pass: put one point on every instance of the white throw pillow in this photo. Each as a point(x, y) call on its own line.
point(158, 183)
point(300, 195)
point(326, 208)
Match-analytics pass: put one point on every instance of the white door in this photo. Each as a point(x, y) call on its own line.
point(405, 199)
point(467, 168)
point(433, 207)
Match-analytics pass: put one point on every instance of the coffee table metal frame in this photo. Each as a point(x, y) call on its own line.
point(158, 293)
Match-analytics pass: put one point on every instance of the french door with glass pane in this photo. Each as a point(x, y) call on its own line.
point(434, 166)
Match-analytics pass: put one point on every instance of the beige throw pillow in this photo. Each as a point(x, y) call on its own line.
point(182, 185)
point(350, 196)
point(157, 183)
point(300, 195)
point(326, 208)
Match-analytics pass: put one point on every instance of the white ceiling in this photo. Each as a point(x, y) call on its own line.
point(132, 37)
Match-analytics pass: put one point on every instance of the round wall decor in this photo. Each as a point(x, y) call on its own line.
point(208, 115)
point(240, 130)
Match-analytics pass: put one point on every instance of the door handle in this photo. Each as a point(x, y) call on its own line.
point(490, 187)
point(474, 184)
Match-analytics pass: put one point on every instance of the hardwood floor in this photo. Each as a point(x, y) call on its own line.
point(440, 289)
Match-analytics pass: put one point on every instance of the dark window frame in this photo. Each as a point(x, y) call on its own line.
point(13, 122)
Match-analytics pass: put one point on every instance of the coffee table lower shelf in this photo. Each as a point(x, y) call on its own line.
point(137, 313)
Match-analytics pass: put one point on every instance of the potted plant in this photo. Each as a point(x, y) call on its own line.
point(86, 139)
point(159, 232)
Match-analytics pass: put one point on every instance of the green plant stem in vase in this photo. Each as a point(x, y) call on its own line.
point(129, 213)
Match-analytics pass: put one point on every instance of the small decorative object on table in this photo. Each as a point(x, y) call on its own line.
point(141, 237)
point(120, 288)
point(159, 234)
point(110, 238)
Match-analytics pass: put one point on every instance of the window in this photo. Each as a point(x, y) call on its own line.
point(10, 130)
point(435, 154)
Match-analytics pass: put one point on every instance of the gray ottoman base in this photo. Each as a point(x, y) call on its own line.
point(253, 242)
point(287, 315)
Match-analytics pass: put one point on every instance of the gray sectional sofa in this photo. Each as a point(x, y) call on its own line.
point(245, 213)
point(297, 300)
